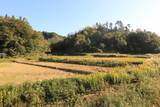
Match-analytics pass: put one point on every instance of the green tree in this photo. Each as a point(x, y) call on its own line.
point(18, 38)
point(143, 42)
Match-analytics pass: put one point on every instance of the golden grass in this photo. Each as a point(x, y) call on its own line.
point(129, 59)
point(14, 73)
point(67, 90)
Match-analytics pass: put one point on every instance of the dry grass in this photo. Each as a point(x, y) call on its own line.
point(130, 59)
point(94, 59)
point(76, 67)
point(15, 73)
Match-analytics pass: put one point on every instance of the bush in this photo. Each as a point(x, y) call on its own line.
point(107, 101)
point(3, 55)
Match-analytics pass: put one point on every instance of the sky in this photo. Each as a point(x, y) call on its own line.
point(69, 16)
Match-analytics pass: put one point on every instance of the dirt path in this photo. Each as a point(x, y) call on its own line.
point(20, 71)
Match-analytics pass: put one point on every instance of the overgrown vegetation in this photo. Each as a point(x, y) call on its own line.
point(143, 94)
point(92, 61)
point(50, 92)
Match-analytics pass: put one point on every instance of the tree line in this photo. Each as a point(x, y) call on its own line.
point(18, 38)
point(109, 37)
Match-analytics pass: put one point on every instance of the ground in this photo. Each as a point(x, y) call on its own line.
point(132, 80)
point(22, 71)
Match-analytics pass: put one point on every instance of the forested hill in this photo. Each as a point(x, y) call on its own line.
point(18, 38)
point(109, 37)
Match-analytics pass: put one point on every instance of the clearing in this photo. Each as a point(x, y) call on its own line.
point(21, 71)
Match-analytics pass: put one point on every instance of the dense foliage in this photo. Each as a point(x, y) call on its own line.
point(109, 38)
point(49, 35)
point(18, 38)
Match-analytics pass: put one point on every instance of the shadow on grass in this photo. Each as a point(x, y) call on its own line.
point(51, 67)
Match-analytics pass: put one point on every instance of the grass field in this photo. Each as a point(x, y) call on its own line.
point(95, 61)
point(92, 80)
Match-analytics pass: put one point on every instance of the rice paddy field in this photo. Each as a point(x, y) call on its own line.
point(86, 80)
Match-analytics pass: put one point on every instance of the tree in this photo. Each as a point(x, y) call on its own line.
point(109, 38)
point(143, 42)
point(111, 26)
point(119, 25)
point(18, 38)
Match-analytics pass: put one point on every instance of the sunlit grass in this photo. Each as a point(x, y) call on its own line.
point(89, 60)
point(134, 76)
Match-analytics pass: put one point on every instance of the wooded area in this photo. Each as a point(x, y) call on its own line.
point(18, 38)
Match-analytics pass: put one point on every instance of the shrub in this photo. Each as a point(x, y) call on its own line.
point(3, 55)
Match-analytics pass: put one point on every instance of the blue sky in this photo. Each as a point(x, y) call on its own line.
point(66, 16)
